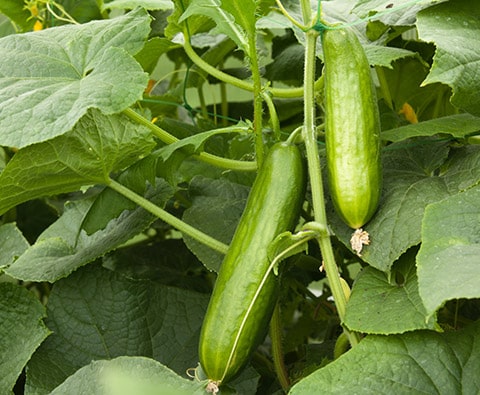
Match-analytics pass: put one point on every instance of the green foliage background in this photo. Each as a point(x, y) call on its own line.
point(98, 293)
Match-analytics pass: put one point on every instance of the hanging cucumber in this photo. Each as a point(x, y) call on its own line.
point(352, 129)
point(245, 290)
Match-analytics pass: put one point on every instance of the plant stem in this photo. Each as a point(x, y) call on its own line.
point(277, 352)
point(201, 98)
point(224, 105)
point(316, 183)
point(220, 75)
point(167, 138)
point(169, 218)
point(272, 112)
point(257, 101)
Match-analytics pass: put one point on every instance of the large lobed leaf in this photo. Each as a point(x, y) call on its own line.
point(416, 173)
point(65, 246)
point(49, 79)
point(98, 145)
point(21, 331)
point(449, 257)
point(414, 363)
point(97, 314)
point(126, 376)
point(459, 126)
point(378, 299)
point(454, 28)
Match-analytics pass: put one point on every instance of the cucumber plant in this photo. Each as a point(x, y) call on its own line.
point(152, 177)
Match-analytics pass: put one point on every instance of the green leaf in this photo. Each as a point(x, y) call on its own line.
point(393, 12)
point(126, 376)
point(98, 145)
point(194, 144)
point(147, 4)
point(234, 18)
point(198, 24)
point(288, 244)
point(378, 55)
point(454, 28)
point(12, 244)
point(413, 363)
point(416, 173)
point(64, 246)
point(6, 26)
point(404, 82)
point(153, 261)
point(21, 331)
point(18, 13)
point(458, 126)
point(151, 52)
point(449, 258)
point(383, 303)
point(81, 11)
point(49, 79)
point(216, 209)
point(98, 314)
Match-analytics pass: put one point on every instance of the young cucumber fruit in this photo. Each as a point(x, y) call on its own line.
point(245, 291)
point(352, 128)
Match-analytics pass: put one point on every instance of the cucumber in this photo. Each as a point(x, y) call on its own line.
point(352, 128)
point(240, 307)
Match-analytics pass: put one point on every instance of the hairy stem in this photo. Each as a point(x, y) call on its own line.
point(257, 101)
point(167, 138)
point(245, 85)
point(314, 171)
point(169, 218)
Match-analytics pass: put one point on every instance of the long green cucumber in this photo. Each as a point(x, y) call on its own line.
point(352, 128)
point(245, 291)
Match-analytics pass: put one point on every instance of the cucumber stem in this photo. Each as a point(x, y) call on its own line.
point(169, 218)
point(272, 112)
point(257, 101)
point(163, 135)
point(220, 75)
point(314, 170)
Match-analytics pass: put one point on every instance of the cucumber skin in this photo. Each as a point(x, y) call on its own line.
point(272, 207)
point(352, 128)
